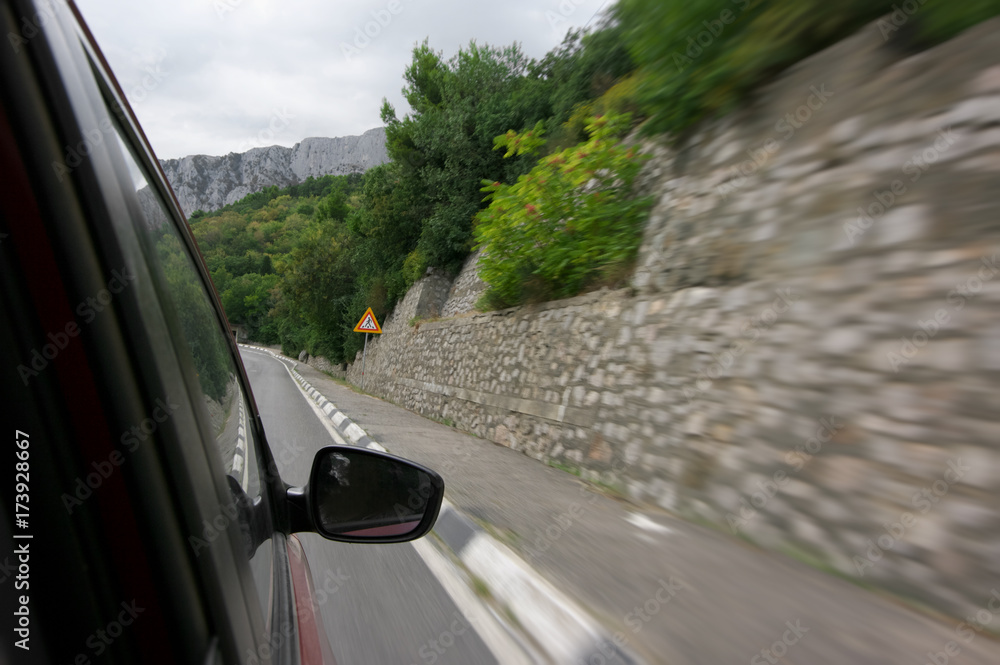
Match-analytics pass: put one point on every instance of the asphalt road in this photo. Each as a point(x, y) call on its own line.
point(380, 603)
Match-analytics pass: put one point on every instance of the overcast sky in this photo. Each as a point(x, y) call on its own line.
point(219, 76)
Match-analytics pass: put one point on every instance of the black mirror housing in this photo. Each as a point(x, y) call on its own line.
point(357, 495)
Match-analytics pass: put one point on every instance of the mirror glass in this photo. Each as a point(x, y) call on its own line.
point(359, 493)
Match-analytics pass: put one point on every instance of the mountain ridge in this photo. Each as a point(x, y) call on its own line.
point(208, 182)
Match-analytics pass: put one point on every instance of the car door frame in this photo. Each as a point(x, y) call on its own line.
point(69, 97)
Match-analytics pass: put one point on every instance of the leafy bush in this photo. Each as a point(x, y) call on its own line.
point(566, 224)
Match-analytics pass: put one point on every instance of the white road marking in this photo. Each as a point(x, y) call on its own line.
point(323, 418)
point(497, 638)
point(643, 522)
point(562, 629)
point(243, 439)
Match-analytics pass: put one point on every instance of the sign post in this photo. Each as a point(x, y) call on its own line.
point(367, 324)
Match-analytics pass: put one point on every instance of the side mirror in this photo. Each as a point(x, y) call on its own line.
point(359, 495)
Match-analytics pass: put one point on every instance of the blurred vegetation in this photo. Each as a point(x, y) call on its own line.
point(701, 58)
point(299, 266)
point(194, 313)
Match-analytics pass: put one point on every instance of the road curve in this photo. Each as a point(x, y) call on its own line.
point(380, 603)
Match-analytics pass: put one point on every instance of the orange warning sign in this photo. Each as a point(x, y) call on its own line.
point(368, 323)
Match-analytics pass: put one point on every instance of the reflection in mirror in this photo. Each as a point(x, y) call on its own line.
point(360, 493)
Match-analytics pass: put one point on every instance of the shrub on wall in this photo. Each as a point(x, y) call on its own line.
point(566, 225)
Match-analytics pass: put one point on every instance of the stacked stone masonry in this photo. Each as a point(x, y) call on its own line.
point(810, 353)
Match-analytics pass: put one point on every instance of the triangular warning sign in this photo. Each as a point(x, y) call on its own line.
point(368, 323)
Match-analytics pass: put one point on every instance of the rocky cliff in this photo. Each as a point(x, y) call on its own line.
point(204, 182)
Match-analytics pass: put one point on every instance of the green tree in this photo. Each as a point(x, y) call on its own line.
point(317, 282)
point(582, 68)
point(445, 145)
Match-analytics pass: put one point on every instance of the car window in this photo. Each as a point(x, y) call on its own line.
point(224, 404)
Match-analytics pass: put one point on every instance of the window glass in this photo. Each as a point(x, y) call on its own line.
point(224, 403)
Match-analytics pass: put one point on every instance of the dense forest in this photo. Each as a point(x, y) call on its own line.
point(522, 158)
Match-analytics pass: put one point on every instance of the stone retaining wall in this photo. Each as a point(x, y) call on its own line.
point(810, 353)
point(324, 365)
point(466, 290)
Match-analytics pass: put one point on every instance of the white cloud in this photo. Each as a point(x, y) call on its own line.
point(208, 76)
